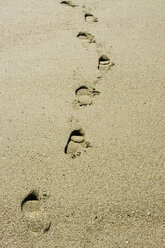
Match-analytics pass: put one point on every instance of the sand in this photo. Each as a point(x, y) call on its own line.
point(81, 123)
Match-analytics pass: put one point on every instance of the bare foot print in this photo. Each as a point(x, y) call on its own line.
point(90, 18)
point(69, 3)
point(85, 95)
point(104, 63)
point(31, 209)
point(76, 143)
point(86, 36)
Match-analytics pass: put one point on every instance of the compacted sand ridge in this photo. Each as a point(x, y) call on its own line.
point(81, 124)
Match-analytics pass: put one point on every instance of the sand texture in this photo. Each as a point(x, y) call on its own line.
point(81, 124)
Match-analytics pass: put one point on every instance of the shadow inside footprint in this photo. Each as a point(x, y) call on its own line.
point(86, 36)
point(31, 197)
point(85, 95)
point(69, 3)
point(90, 18)
point(76, 143)
point(31, 208)
point(104, 63)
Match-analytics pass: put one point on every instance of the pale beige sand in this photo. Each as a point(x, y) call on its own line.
point(111, 196)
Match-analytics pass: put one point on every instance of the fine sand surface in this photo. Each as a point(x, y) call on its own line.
point(81, 124)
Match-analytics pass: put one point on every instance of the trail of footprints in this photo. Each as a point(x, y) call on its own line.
point(76, 143)
point(31, 205)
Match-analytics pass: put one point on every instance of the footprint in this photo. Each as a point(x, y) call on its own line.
point(104, 63)
point(86, 36)
point(76, 143)
point(85, 95)
point(90, 18)
point(31, 209)
point(69, 3)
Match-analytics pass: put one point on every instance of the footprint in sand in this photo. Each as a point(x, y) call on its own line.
point(90, 18)
point(104, 63)
point(32, 213)
point(76, 143)
point(69, 3)
point(84, 95)
point(86, 36)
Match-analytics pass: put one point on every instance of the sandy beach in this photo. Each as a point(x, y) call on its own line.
point(81, 124)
